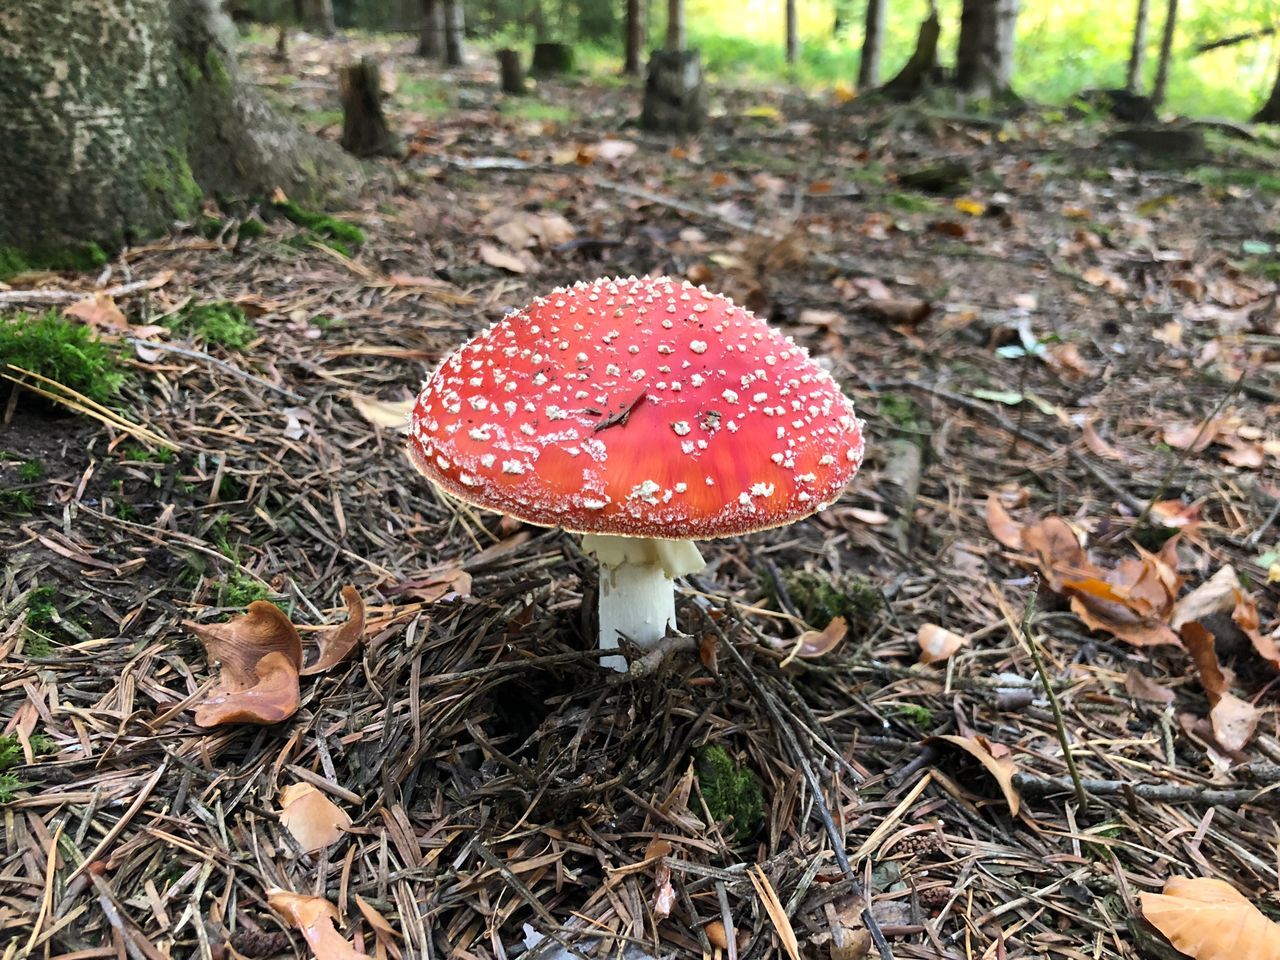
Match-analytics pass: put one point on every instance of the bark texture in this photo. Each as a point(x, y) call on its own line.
point(675, 99)
point(872, 44)
point(120, 114)
point(453, 33)
point(635, 38)
point(984, 52)
point(793, 39)
point(317, 16)
point(915, 75)
point(675, 26)
point(1138, 51)
point(431, 36)
point(512, 74)
point(364, 126)
point(1166, 53)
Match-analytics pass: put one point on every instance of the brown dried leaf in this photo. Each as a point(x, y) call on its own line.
point(938, 644)
point(392, 414)
point(1208, 919)
point(339, 641)
point(382, 930)
point(1141, 687)
point(435, 586)
point(1233, 720)
point(906, 311)
point(1099, 446)
point(260, 654)
point(1002, 526)
point(816, 643)
point(1190, 436)
point(995, 757)
point(497, 257)
point(99, 311)
point(314, 820)
point(314, 918)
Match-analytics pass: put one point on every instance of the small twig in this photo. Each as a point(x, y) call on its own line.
point(73, 296)
point(1255, 538)
point(726, 917)
point(220, 364)
point(1028, 612)
point(1033, 785)
point(1186, 452)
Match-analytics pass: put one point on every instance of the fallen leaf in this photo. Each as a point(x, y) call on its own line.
point(938, 644)
point(382, 930)
point(520, 229)
point(872, 518)
point(1002, 526)
point(1222, 594)
point(909, 312)
point(339, 641)
point(314, 918)
point(1100, 447)
point(997, 759)
point(1233, 720)
point(501, 259)
point(974, 208)
point(1141, 687)
point(435, 586)
point(1191, 436)
point(314, 820)
point(1208, 919)
point(392, 414)
point(260, 654)
point(98, 311)
point(816, 643)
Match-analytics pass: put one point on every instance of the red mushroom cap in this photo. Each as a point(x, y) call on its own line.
point(639, 407)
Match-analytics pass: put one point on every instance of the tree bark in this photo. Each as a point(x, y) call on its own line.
point(1166, 53)
point(914, 76)
point(635, 39)
point(119, 118)
point(318, 17)
point(453, 33)
point(1138, 52)
point(793, 39)
point(512, 74)
point(1270, 112)
point(872, 44)
point(675, 26)
point(675, 99)
point(984, 53)
point(364, 127)
point(431, 38)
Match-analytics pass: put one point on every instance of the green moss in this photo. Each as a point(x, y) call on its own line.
point(901, 411)
point(85, 256)
point(220, 323)
point(251, 229)
point(731, 792)
point(11, 756)
point(17, 501)
point(820, 598)
point(174, 183)
point(61, 350)
point(30, 471)
point(216, 71)
point(911, 203)
point(240, 590)
point(916, 715)
point(339, 234)
point(40, 608)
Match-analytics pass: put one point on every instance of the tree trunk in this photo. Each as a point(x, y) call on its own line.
point(1166, 53)
point(453, 33)
point(431, 39)
point(635, 38)
point(675, 100)
point(793, 40)
point(912, 79)
point(1270, 112)
point(1138, 52)
point(872, 44)
point(364, 127)
point(118, 119)
point(551, 59)
point(512, 75)
point(675, 27)
point(318, 17)
point(984, 53)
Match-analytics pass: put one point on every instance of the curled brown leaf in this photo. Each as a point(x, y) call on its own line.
point(314, 820)
point(1233, 720)
point(937, 643)
point(260, 654)
point(314, 917)
point(1207, 919)
point(995, 757)
point(336, 643)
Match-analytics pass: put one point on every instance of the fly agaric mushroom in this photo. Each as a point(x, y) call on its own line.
point(645, 414)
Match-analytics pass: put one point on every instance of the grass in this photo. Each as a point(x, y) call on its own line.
point(527, 109)
point(422, 95)
point(62, 350)
point(11, 756)
point(219, 323)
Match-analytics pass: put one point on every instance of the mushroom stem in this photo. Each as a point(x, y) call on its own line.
point(637, 588)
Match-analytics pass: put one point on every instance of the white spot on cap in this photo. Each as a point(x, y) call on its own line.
point(698, 346)
point(681, 427)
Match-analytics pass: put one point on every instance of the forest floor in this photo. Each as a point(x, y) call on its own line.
point(1046, 330)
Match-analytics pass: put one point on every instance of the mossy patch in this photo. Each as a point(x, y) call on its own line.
point(84, 256)
point(731, 792)
point(218, 323)
point(66, 352)
point(338, 234)
point(820, 598)
point(173, 183)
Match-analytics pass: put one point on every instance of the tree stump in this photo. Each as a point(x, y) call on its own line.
point(675, 100)
point(364, 128)
point(512, 75)
point(551, 59)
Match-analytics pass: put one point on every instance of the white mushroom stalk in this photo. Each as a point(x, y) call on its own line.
point(637, 588)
